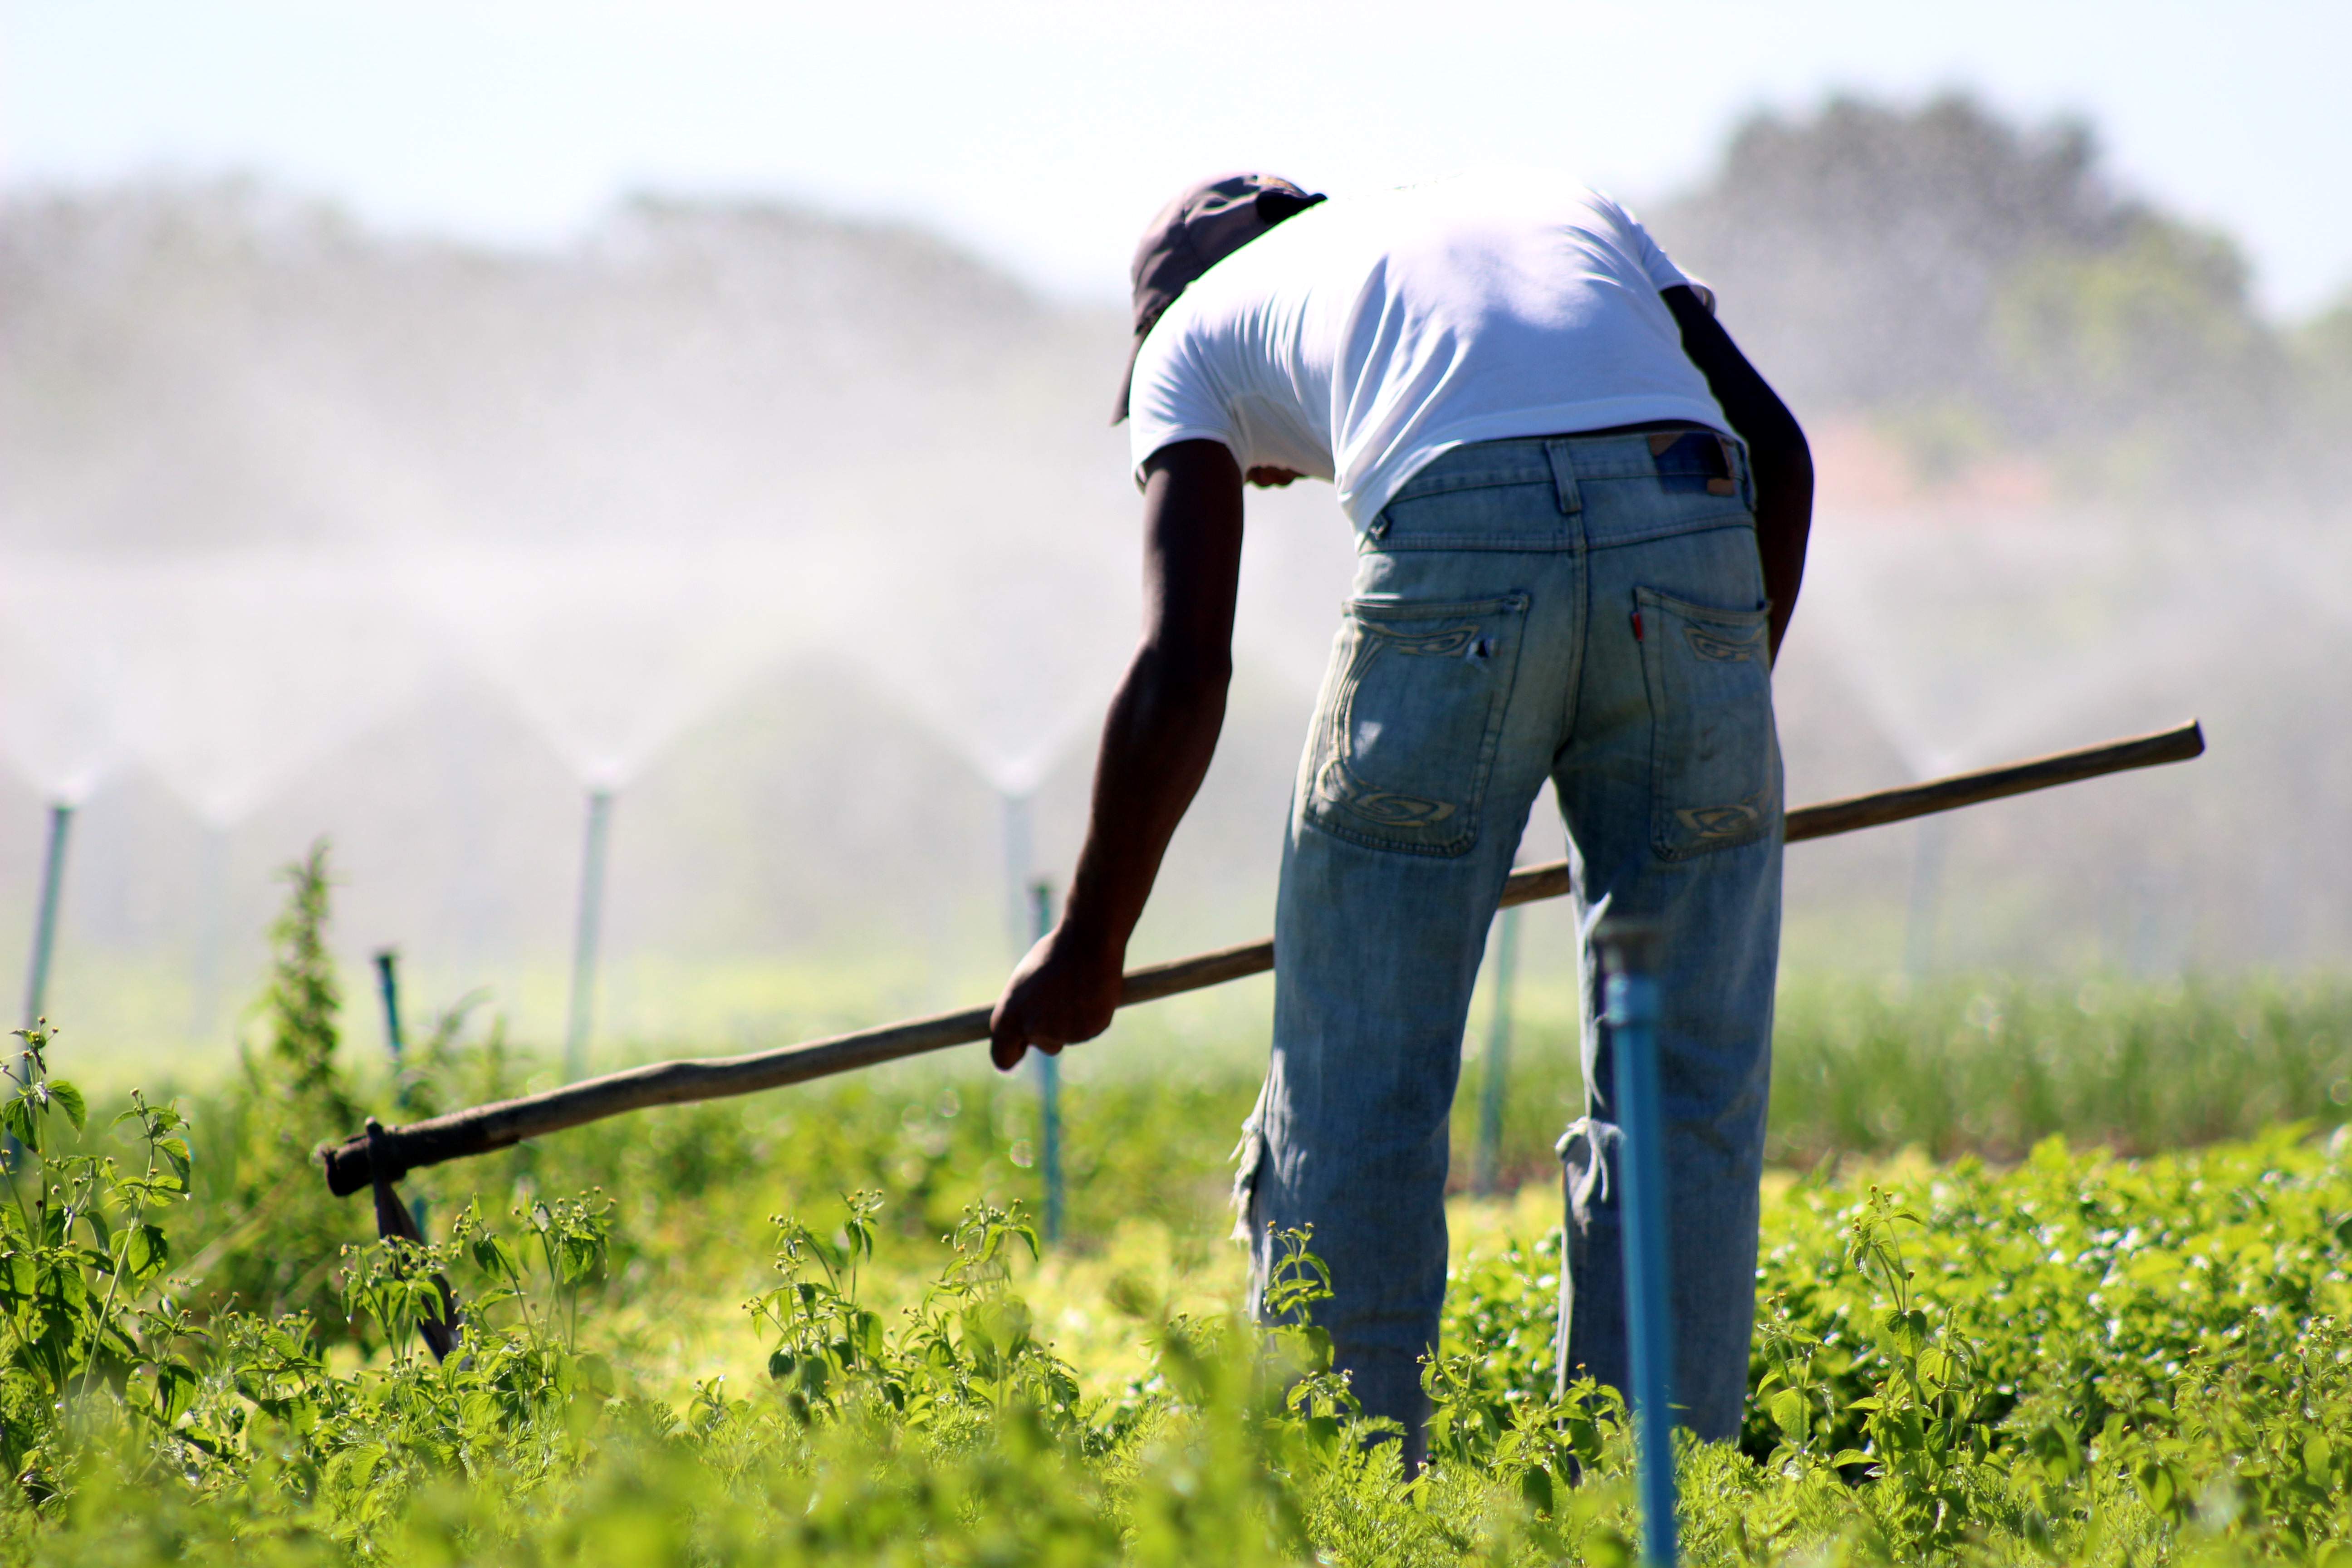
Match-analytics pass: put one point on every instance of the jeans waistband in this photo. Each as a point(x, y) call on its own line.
point(1627, 454)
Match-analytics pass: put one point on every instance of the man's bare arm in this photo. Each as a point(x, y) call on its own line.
point(1156, 747)
point(1783, 463)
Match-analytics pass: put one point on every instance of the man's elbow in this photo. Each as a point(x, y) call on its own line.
point(1186, 674)
point(1204, 675)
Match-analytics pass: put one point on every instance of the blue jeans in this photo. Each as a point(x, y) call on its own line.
point(1590, 610)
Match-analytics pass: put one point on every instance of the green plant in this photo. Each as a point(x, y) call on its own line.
point(274, 1254)
point(79, 1245)
point(304, 996)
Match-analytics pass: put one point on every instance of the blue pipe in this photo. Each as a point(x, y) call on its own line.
point(1049, 1090)
point(45, 923)
point(1628, 954)
point(387, 985)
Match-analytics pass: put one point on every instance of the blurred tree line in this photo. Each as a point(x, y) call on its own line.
point(1977, 286)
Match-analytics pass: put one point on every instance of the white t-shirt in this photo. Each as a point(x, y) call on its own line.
point(1370, 334)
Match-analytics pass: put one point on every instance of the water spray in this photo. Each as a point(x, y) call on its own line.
point(1486, 1172)
point(45, 918)
point(1629, 959)
point(1049, 1090)
point(580, 1019)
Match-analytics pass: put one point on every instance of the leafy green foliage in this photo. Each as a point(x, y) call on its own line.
point(2079, 1359)
point(2075, 1357)
point(2000, 1347)
point(79, 1251)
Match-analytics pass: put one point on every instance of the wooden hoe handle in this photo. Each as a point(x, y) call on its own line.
point(350, 1167)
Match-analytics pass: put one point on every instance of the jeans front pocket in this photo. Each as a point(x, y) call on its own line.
point(1714, 770)
point(1411, 715)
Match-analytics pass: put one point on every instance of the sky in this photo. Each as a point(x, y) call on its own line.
point(1044, 135)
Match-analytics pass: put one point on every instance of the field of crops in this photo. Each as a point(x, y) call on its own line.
point(814, 1326)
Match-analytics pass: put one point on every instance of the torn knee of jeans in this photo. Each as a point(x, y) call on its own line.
point(1587, 1150)
point(1251, 1154)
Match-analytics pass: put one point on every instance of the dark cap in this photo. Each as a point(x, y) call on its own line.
point(1205, 224)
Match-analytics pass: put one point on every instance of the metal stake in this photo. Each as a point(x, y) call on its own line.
point(1629, 951)
point(45, 924)
point(387, 985)
point(581, 1019)
point(1487, 1174)
point(1049, 1089)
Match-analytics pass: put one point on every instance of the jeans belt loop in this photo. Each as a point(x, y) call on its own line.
point(1563, 477)
point(1735, 463)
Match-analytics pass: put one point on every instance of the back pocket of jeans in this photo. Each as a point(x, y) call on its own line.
point(1412, 715)
point(1713, 770)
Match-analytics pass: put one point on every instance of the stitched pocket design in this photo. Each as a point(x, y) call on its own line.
point(1715, 776)
point(1412, 715)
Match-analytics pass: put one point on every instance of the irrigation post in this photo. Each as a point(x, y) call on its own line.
point(1487, 1174)
point(44, 920)
point(579, 1020)
point(1049, 1089)
point(387, 986)
point(1629, 952)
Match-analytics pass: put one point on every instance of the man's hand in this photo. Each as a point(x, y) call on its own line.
point(1156, 746)
point(1063, 992)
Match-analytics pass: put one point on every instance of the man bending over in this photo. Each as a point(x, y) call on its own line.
point(1580, 521)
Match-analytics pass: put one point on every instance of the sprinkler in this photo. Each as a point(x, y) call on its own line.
point(1486, 1172)
point(45, 921)
point(580, 1018)
point(1629, 957)
point(1049, 1090)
